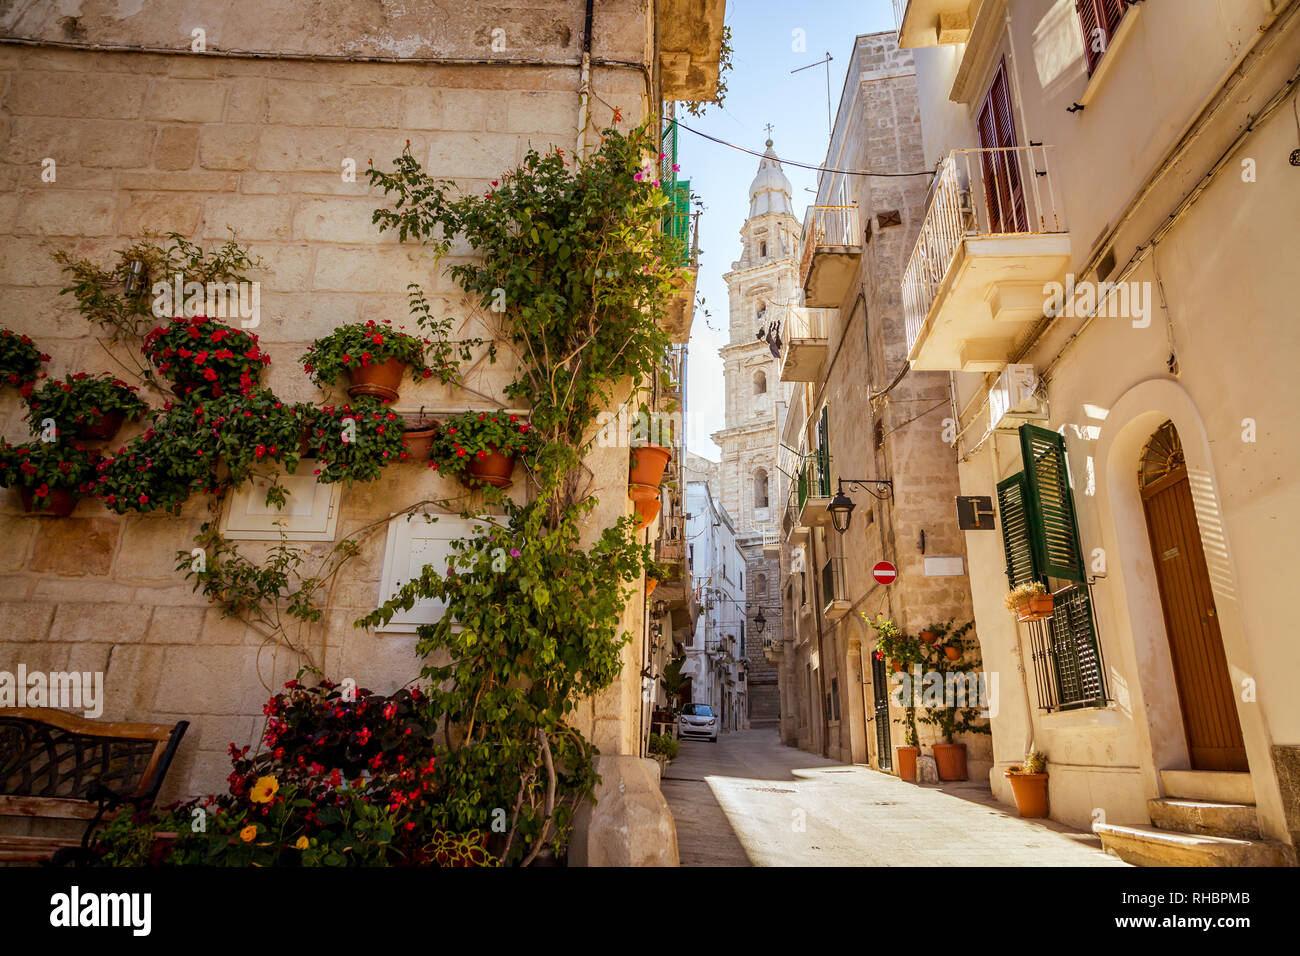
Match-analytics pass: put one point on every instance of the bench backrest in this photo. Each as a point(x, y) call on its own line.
point(53, 754)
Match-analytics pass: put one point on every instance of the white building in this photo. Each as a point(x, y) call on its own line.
point(715, 656)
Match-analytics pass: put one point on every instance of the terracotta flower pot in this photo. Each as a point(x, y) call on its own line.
point(897, 666)
point(648, 509)
point(951, 761)
point(929, 637)
point(494, 470)
point(646, 466)
point(952, 653)
point(650, 585)
point(419, 443)
point(381, 380)
point(1030, 791)
point(1034, 608)
point(103, 428)
point(905, 760)
point(59, 503)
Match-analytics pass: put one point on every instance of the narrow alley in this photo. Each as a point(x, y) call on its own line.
point(750, 801)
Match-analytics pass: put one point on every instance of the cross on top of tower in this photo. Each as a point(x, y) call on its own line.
point(768, 127)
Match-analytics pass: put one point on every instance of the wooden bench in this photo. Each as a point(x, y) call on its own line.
point(57, 766)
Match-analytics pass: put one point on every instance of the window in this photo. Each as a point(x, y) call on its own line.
point(762, 250)
point(760, 488)
point(760, 585)
point(835, 698)
point(310, 512)
point(697, 710)
point(760, 382)
point(414, 543)
point(1004, 195)
point(1099, 20)
point(1040, 540)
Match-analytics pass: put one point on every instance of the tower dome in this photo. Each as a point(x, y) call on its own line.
point(770, 191)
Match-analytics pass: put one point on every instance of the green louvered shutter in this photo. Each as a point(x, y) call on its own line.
point(1055, 531)
point(1017, 533)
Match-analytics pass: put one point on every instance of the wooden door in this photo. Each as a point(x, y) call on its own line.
point(1205, 690)
point(1004, 193)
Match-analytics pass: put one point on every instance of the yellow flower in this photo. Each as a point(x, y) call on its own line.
point(302, 843)
point(264, 790)
point(249, 833)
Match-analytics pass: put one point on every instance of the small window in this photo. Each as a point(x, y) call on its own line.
point(414, 543)
point(760, 382)
point(762, 250)
point(760, 488)
point(310, 511)
point(1100, 20)
point(760, 585)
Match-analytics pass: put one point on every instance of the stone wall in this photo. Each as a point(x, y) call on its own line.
point(209, 144)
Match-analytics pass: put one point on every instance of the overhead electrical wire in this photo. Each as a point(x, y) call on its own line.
point(791, 162)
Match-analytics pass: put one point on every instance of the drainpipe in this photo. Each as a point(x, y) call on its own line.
point(584, 81)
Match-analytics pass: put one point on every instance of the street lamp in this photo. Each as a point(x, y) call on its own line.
point(760, 622)
point(841, 506)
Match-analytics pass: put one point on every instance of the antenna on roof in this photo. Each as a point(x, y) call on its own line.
point(829, 127)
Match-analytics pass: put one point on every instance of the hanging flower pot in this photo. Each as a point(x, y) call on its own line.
point(58, 503)
point(951, 761)
point(1034, 608)
point(104, 428)
point(493, 468)
point(648, 509)
point(952, 653)
point(929, 637)
point(650, 585)
point(382, 379)
point(419, 442)
point(640, 492)
point(646, 465)
point(905, 760)
point(897, 666)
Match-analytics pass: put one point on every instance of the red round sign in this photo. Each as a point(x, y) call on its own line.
point(884, 572)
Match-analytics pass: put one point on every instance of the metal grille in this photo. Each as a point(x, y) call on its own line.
point(1069, 671)
point(880, 716)
point(38, 760)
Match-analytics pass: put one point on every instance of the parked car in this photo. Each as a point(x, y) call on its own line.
point(698, 720)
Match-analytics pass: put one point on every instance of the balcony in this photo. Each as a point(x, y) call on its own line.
point(803, 343)
point(994, 235)
point(933, 22)
point(683, 226)
point(771, 544)
point(690, 46)
point(813, 490)
point(832, 250)
point(835, 595)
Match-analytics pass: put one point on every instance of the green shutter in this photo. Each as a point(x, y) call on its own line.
point(1017, 534)
point(1079, 674)
point(1055, 531)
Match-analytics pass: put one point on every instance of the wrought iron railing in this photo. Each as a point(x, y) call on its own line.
point(827, 226)
point(814, 478)
point(1069, 670)
point(801, 324)
point(833, 587)
point(978, 192)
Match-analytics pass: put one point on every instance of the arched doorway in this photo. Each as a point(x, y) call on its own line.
point(1204, 684)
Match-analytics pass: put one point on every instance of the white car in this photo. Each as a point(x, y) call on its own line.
point(698, 720)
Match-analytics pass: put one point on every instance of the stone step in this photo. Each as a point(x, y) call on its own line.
point(1236, 820)
point(1151, 846)
point(1214, 786)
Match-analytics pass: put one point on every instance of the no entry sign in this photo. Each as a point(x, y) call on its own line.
point(884, 572)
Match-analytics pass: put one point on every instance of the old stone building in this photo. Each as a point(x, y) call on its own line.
point(858, 414)
point(760, 285)
point(240, 119)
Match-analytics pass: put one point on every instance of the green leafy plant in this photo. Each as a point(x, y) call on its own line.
point(474, 435)
point(1034, 762)
point(82, 400)
point(665, 744)
point(361, 345)
point(898, 648)
point(20, 360)
point(674, 682)
point(1022, 593)
point(43, 467)
point(204, 356)
point(355, 442)
point(948, 718)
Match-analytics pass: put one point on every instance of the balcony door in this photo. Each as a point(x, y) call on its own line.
point(1004, 194)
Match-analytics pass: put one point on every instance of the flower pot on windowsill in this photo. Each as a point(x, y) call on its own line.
point(905, 760)
point(1030, 791)
point(59, 503)
point(493, 469)
point(648, 509)
point(646, 465)
point(950, 759)
point(102, 428)
point(1034, 608)
point(380, 379)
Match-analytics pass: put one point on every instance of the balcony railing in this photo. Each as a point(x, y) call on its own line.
point(803, 343)
point(814, 479)
point(680, 223)
point(826, 226)
point(1002, 192)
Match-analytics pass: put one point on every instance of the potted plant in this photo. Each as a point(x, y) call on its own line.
point(372, 356)
point(202, 356)
point(1030, 601)
point(647, 509)
point(664, 749)
point(1029, 785)
point(928, 637)
point(947, 717)
point(900, 650)
point(646, 464)
point(20, 360)
point(356, 442)
point(481, 447)
point(419, 433)
point(91, 407)
point(50, 476)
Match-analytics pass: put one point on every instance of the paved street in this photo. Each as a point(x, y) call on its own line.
point(740, 802)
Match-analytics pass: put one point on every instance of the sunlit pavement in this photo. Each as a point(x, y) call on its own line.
point(749, 801)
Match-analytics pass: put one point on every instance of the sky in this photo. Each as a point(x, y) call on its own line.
point(771, 38)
